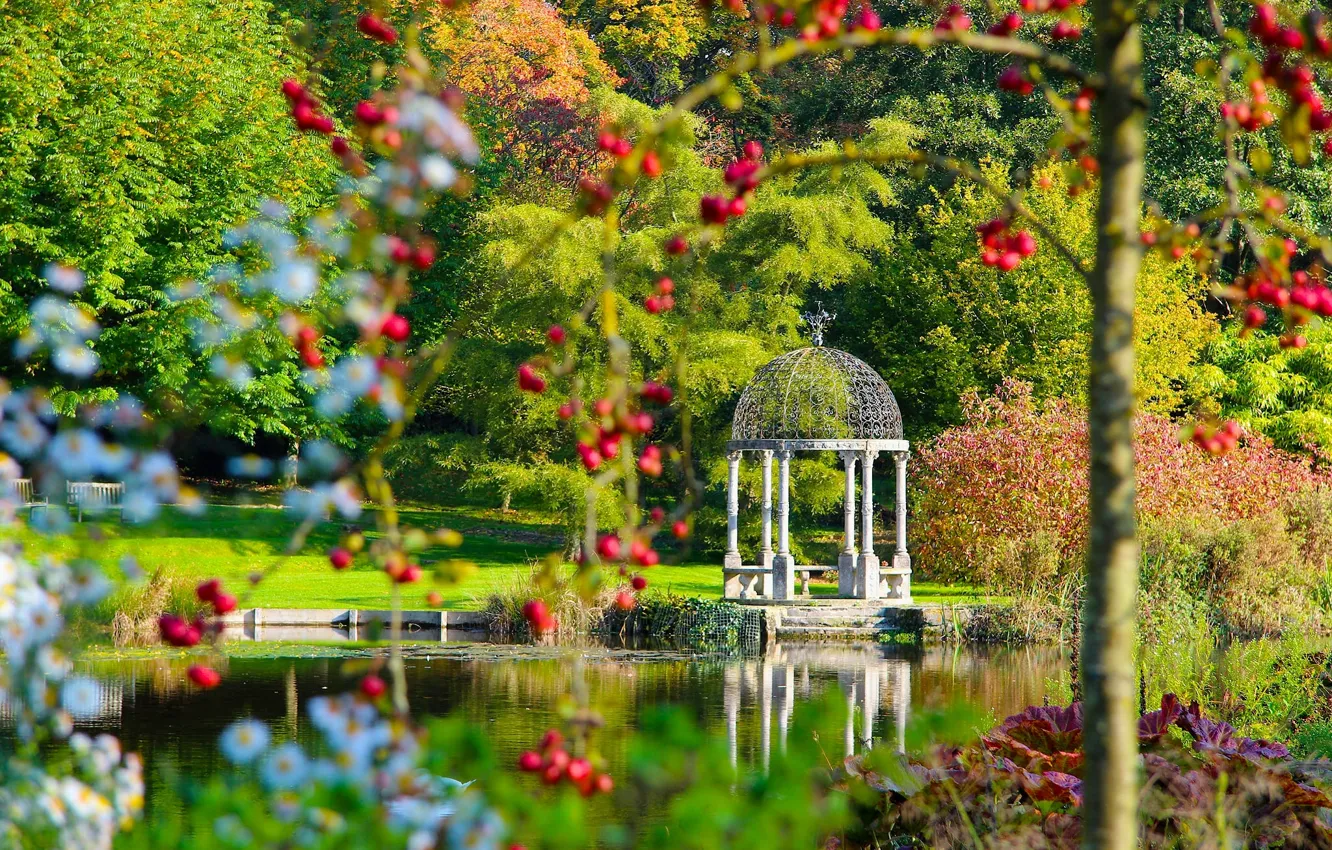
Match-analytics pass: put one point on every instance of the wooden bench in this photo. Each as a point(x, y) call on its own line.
point(96, 497)
point(26, 496)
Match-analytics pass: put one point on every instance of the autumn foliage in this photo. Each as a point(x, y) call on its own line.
point(1015, 474)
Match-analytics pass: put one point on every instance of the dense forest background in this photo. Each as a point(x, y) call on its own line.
point(133, 135)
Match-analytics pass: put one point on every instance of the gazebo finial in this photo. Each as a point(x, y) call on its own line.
point(818, 322)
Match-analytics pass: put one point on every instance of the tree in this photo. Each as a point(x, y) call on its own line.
point(938, 323)
point(137, 189)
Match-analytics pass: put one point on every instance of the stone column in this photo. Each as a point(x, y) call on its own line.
point(783, 565)
point(732, 510)
point(765, 713)
point(846, 561)
point(867, 572)
point(898, 580)
point(786, 687)
point(765, 556)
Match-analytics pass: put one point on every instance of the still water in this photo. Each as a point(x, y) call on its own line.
point(512, 691)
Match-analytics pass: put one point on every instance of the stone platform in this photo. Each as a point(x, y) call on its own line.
point(856, 619)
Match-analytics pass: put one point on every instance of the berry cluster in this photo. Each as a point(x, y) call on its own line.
point(663, 299)
point(529, 381)
point(211, 592)
point(1286, 71)
point(305, 109)
point(1003, 247)
point(1007, 25)
point(953, 19)
point(1217, 441)
point(742, 176)
point(180, 632)
point(553, 762)
point(1014, 79)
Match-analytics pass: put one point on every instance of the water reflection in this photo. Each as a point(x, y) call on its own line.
point(511, 690)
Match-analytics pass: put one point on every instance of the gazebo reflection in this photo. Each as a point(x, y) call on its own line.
point(873, 681)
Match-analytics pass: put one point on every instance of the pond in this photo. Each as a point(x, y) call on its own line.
point(512, 691)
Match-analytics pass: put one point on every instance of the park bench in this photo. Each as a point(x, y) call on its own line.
point(96, 496)
point(26, 496)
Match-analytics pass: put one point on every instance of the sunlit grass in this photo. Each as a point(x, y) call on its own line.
point(234, 542)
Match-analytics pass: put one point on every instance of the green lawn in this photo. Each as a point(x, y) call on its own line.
point(231, 542)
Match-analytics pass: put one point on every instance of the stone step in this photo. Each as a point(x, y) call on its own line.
point(785, 631)
point(831, 610)
point(881, 625)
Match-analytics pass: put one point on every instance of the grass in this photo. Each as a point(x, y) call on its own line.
point(231, 542)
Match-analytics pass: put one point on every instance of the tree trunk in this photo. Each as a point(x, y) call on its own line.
point(1110, 736)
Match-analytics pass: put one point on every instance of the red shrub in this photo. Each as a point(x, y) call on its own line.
point(1014, 477)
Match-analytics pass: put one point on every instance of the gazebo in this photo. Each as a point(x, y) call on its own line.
point(817, 399)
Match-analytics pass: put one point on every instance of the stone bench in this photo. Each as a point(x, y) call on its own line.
point(746, 582)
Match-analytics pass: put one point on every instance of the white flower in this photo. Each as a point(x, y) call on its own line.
point(75, 359)
point(63, 278)
point(81, 697)
point(159, 471)
point(115, 460)
point(438, 172)
point(286, 768)
point(230, 831)
point(24, 436)
point(294, 281)
point(244, 740)
point(232, 370)
point(77, 453)
point(249, 466)
point(355, 375)
point(87, 586)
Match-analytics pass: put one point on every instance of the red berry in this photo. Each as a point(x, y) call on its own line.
point(624, 600)
point(665, 286)
point(529, 380)
point(376, 28)
point(651, 165)
point(638, 582)
point(652, 304)
point(676, 245)
point(680, 529)
point(579, 769)
point(713, 209)
point(224, 603)
point(205, 677)
point(369, 114)
point(530, 761)
point(340, 558)
point(608, 547)
point(372, 686)
point(604, 784)
point(423, 257)
point(753, 151)
point(339, 146)
point(207, 591)
point(737, 207)
point(556, 335)
point(396, 327)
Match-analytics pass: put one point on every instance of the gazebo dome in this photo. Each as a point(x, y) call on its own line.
point(817, 393)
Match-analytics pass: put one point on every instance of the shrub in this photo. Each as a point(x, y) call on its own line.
point(1021, 785)
point(1002, 499)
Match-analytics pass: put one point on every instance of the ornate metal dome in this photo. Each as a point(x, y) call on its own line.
point(817, 393)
